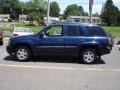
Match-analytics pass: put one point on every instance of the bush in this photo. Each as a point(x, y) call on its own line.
point(7, 34)
point(10, 20)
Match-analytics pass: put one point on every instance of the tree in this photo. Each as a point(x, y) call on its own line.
point(110, 13)
point(9, 6)
point(54, 9)
point(96, 15)
point(36, 6)
point(71, 10)
point(34, 16)
point(118, 19)
point(85, 14)
point(41, 4)
point(15, 7)
point(81, 10)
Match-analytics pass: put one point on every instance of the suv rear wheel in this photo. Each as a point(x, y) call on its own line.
point(88, 56)
point(22, 53)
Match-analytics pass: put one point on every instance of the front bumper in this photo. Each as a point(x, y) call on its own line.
point(105, 50)
point(1, 40)
point(9, 50)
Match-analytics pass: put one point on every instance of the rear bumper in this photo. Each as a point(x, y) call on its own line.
point(105, 50)
point(9, 50)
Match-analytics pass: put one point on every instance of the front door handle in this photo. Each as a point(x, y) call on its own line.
point(60, 40)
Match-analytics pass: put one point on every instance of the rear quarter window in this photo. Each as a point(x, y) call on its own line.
point(74, 31)
point(95, 31)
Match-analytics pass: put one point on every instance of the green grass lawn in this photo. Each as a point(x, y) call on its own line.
point(35, 28)
point(115, 31)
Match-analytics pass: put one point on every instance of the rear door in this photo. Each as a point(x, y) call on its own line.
point(73, 38)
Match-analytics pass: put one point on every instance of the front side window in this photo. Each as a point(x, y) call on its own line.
point(54, 31)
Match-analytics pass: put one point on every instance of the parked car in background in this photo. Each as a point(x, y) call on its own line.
point(21, 31)
point(86, 41)
point(1, 38)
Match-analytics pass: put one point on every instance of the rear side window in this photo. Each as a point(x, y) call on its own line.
point(95, 31)
point(74, 31)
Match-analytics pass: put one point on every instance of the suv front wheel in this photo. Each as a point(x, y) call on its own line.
point(88, 56)
point(22, 53)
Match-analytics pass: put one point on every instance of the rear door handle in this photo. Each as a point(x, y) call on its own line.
point(60, 40)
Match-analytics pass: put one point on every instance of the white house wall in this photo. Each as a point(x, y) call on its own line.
point(86, 20)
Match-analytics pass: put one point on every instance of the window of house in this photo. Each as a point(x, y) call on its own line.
point(98, 21)
point(5, 17)
point(83, 20)
point(77, 19)
point(94, 20)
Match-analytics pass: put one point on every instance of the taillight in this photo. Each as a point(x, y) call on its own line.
point(1, 34)
point(15, 34)
point(110, 40)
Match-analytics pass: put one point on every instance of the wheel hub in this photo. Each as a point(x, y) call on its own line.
point(89, 56)
point(22, 54)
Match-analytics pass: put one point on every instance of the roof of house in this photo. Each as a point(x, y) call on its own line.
point(76, 24)
point(4, 14)
point(22, 15)
point(85, 17)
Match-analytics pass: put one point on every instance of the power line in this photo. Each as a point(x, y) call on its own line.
point(97, 3)
point(79, 3)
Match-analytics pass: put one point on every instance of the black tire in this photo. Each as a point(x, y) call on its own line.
point(88, 56)
point(26, 56)
point(1, 43)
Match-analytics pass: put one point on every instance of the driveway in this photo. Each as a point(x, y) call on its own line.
point(59, 73)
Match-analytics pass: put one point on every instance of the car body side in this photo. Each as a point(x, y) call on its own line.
point(67, 45)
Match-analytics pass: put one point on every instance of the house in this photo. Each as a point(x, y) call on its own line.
point(51, 20)
point(4, 17)
point(22, 18)
point(83, 19)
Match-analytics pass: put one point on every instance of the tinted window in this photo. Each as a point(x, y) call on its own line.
point(54, 31)
point(74, 31)
point(95, 31)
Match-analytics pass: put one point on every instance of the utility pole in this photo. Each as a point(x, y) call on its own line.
point(22, 10)
point(11, 10)
point(90, 9)
point(48, 13)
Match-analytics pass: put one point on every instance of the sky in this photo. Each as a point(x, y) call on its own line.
point(97, 6)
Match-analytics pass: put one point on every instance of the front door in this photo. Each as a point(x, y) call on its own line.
point(52, 43)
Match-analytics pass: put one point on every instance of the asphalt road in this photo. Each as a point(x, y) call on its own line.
point(59, 73)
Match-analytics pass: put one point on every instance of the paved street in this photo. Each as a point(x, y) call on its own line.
point(56, 73)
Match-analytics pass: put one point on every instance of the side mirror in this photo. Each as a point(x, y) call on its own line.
point(42, 34)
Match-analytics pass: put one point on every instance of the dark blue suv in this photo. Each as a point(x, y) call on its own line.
point(86, 41)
